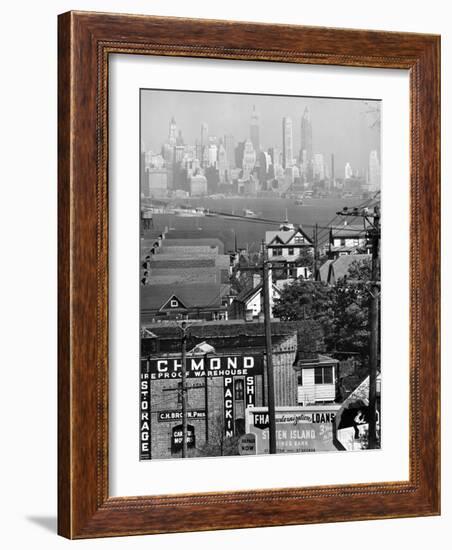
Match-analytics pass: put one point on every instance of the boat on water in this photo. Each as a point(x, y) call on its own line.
point(190, 212)
point(249, 213)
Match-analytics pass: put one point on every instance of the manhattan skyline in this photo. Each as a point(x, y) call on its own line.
point(345, 127)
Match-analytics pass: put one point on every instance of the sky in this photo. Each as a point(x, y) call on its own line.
point(345, 127)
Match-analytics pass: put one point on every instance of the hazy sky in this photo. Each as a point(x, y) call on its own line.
point(344, 127)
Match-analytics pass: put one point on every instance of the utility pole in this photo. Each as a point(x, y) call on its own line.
point(183, 390)
point(374, 337)
point(316, 244)
point(184, 393)
point(374, 237)
point(266, 285)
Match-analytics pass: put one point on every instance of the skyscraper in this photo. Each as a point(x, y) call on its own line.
point(229, 145)
point(254, 130)
point(348, 172)
point(204, 144)
point(172, 137)
point(319, 167)
point(222, 162)
point(204, 134)
point(249, 158)
point(287, 142)
point(374, 171)
point(306, 134)
point(213, 154)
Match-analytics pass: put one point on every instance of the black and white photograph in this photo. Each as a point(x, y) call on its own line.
point(259, 274)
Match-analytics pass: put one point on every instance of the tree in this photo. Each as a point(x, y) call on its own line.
point(219, 444)
point(304, 299)
point(342, 309)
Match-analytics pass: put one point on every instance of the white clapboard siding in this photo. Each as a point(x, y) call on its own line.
point(310, 392)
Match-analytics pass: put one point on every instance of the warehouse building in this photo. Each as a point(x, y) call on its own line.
point(226, 375)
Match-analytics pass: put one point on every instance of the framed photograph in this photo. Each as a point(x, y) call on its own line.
point(248, 275)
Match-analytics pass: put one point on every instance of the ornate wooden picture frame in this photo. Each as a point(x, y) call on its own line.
point(86, 40)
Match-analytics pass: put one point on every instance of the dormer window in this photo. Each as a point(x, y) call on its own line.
point(174, 303)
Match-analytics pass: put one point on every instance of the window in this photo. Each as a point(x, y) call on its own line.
point(327, 375)
point(298, 239)
point(323, 375)
point(174, 303)
point(239, 389)
point(277, 252)
point(300, 378)
point(342, 242)
point(318, 375)
point(291, 251)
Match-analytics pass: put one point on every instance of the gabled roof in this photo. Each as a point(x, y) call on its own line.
point(285, 237)
point(170, 299)
point(195, 242)
point(191, 250)
point(249, 293)
point(188, 275)
point(324, 269)
point(154, 297)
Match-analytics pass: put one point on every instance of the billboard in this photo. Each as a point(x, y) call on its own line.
point(298, 429)
point(198, 366)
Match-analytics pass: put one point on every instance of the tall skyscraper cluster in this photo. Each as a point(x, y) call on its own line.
point(221, 164)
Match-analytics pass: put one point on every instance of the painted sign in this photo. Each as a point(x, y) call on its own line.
point(298, 429)
point(250, 391)
point(177, 437)
point(145, 420)
point(166, 368)
point(228, 407)
point(171, 416)
point(247, 444)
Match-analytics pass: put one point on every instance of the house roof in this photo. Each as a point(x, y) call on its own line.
point(192, 250)
point(284, 237)
point(319, 360)
point(339, 267)
point(174, 262)
point(186, 276)
point(202, 295)
point(232, 328)
point(191, 253)
point(249, 293)
point(195, 242)
point(324, 270)
point(251, 333)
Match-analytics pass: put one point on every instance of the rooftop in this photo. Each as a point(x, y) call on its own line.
point(339, 267)
point(200, 295)
point(286, 236)
point(195, 242)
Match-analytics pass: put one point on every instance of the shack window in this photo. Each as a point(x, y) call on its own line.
point(327, 375)
point(323, 375)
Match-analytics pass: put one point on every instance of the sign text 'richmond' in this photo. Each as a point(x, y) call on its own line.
point(236, 365)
